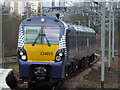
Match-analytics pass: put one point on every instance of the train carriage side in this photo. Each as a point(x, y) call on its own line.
point(81, 46)
point(41, 49)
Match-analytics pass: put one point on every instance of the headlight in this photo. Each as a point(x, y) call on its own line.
point(42, 20)
point(21, 53)
point(58, 58)
point(60, 54)
point(23, 57)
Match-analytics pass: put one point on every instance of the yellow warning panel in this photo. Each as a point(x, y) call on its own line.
point(41, 52)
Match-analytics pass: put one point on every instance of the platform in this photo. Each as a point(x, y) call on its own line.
point(3, 74)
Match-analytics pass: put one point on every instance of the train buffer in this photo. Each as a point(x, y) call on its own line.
point(7, 79)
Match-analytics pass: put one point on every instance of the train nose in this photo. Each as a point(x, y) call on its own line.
point(41, 52)
point(40, 73)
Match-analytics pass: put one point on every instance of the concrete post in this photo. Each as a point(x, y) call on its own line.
point(0, 38)
point(113, 35)
point(109, 56)
point(89, 23)
point(27, 11)
point(102, 42)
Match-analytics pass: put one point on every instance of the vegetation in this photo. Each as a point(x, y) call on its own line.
point(10, 28)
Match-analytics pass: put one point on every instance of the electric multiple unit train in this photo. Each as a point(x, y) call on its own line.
point(49, 49)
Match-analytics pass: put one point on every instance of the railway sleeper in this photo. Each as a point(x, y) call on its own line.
point(37, 85)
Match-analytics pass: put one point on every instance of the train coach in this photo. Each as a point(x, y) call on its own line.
point(50, 49)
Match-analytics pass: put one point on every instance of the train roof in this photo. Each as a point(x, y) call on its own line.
point(47, 21)
point(81, 28)
point(36, 21)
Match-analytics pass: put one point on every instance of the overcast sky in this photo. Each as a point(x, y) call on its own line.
point(1, 1)
point(48, 1)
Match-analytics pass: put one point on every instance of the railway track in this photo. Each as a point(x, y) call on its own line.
point(97, 58)
point(57, 87)
point(75, 73)
point(106, 51)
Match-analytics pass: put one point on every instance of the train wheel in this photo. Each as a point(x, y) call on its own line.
point(74, 65)
point(68, 69)
point(77, 64)
point(84, 62)
point(80, 63)
point(87, 61)
point(29, 85)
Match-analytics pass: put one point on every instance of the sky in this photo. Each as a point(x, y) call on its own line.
point(2, 1)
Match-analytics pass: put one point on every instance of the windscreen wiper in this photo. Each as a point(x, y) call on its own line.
point(47, 40)
point(38, 37)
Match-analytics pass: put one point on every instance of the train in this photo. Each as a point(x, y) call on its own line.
point(50, 50)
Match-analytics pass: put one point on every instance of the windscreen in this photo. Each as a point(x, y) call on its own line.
point(50, 33)
point(30, 34)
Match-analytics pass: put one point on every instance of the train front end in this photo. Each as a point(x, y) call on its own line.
point(41, 49)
